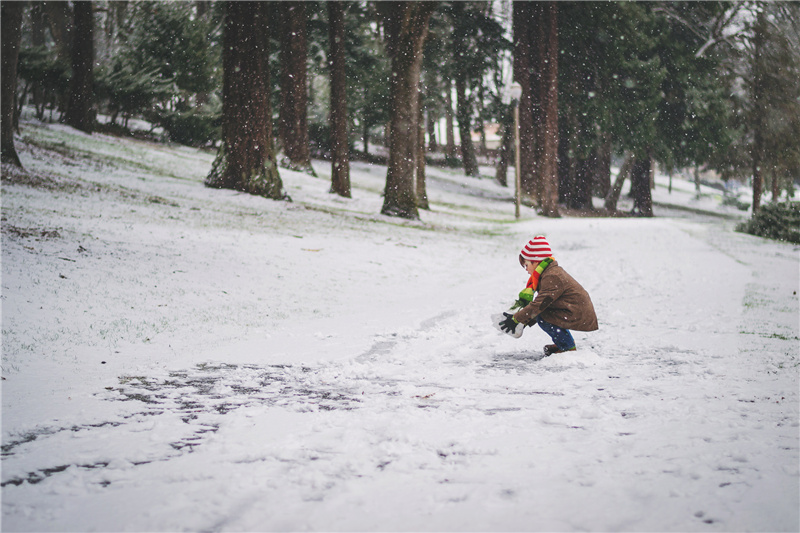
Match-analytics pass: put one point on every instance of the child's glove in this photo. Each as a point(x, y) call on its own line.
point(509, 326)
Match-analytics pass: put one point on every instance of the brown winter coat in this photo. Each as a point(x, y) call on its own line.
point(561, 301)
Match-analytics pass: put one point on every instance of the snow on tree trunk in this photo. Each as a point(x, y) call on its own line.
point(246, 160)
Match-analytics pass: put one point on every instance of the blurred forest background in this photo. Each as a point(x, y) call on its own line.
point(700, 88)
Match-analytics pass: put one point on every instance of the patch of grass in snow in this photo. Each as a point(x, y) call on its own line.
point(27, 233)
point(74, 149)
point(17, 176)
point(779, 336)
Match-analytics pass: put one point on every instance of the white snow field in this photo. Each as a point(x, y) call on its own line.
point(178, 358)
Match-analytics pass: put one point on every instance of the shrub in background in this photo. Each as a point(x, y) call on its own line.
point(778, 220)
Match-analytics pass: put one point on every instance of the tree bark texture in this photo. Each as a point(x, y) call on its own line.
point(547, 122)
point(293, 121)
point(12, 31)
point(506, 149)
point(463, 103)
point(523, 20)
point(602, 183)
point(759, 110)
point(38, 40)
point(580, 196)
point(468, 158)
point(640, 187)
point(450, 146)
point(613, 193)
point(246, 160)
point(422, 189)
point(80, 112)
point(60, 17)
point(340, 147)
point(406, 26)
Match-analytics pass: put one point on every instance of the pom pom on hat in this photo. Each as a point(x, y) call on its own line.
point(537, 249)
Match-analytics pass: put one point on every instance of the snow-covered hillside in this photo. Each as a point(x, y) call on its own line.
point(177, 358)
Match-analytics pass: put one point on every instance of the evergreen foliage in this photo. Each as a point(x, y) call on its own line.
point(131, 92)
point(161, 65)
point(710, 85)
point(42, 67)
point(171, 38)
point(765, 73)
point(776, 220)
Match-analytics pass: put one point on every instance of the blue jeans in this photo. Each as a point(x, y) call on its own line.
point(561, 337)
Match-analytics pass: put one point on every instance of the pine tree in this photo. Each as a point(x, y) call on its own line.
point(773, 114)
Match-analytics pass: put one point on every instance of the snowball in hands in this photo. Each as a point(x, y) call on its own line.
point(501, 319)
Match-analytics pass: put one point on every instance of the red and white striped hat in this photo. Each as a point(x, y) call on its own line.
point(537, 249)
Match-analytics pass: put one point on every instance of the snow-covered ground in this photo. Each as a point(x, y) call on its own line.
point(177, 358)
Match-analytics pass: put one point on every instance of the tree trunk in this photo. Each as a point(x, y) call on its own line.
point(12, 31)
point(463, 104)
point(422, 189)
point(523, 21)
point(80, 112)
point(565, 153)
point(468, 159)
point(293, 126)
point(613, 194)
point(406, 27)
point(38, 40)
point(603, 172)
point(340, 147)
point(506, 148)
point(581, 195)
point(640, 187)
point(450, 148)
point(430, 124)
point(759, 109)
point(59, 15)
point(431, 85)
point(246, 160)
point(548, 123)
point(776, 186)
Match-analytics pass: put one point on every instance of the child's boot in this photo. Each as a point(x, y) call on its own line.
point(551, 349)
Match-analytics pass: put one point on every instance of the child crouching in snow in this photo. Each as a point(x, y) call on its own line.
point(552, 299)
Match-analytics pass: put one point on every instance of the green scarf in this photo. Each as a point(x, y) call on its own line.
point(527, 294)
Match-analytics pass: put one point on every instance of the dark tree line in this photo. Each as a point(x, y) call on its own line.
point(709, 85)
